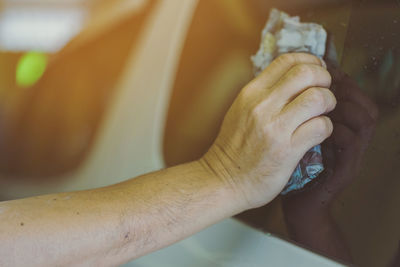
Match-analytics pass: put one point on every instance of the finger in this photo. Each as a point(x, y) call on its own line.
point(354, 117)
point(281, 65)
point(297, 80)
point(348, 90)
point(311, 103)
point(312, 133)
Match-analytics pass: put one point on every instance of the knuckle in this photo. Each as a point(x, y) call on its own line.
point(275, 136)
point(284, 125)
point(270, 134)
point(256, 112)
point(313, 74)
point(243, 96)
point(332, 97)
point(316, 97)
point(247, 91)
point(285, 58)
point(251, 87)
point(244, 99)
point(280, 146)
point(305, 71)
point(328, 77)
point(270, 137)
point(324, 127)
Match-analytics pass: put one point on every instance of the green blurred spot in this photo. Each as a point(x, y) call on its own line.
point(30, 68)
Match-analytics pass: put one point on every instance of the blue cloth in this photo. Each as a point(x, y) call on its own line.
point(308, 169)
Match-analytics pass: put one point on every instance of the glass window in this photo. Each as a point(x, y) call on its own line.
point(360, 189)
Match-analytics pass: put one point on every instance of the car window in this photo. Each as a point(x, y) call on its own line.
point(363, 55)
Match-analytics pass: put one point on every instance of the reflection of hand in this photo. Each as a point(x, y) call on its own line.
point(307, 213)
point(354, 122)
point(274, 121)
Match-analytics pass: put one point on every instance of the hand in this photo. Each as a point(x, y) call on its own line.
point(273, 122)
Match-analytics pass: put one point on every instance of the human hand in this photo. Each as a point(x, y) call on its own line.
point(273, 122)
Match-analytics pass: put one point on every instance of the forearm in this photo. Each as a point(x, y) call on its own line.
point(111, 225)
point(248, 165)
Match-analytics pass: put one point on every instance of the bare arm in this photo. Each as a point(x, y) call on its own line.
point(112, 225)
point(273, 122)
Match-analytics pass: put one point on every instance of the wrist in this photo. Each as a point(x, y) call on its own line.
point(213, 167)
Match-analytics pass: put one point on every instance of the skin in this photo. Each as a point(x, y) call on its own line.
point(273, 122)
